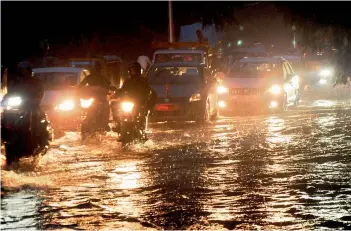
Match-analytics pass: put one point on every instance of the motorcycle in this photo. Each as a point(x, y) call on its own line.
point(24, 131)
point(131, 118)
point(92, 117)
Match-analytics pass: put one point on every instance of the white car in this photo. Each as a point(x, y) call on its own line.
point(60, 101)
point(259, 83)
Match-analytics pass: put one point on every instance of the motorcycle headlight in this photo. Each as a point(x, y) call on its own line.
point(195, 97)
point(66, 105)
point(127, 106)
point(14, 101)
point(85, 103)
point(222, 90)
point(275, 89)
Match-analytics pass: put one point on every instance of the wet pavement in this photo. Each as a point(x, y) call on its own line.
point(286, 171)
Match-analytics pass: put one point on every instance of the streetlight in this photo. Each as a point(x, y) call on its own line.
point(239, 43)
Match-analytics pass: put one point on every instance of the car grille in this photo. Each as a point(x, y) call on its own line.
point(246, 91)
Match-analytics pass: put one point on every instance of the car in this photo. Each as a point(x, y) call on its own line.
point(186, 92)
point(319, 75)
point(60, 100)
point(107, 70)
point(258, 83)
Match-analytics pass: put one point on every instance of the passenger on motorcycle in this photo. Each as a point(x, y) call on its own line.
point(31, 88)
point(101, 86)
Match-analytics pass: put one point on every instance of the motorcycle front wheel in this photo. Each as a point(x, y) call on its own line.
point(12, 152)
point(127, 134)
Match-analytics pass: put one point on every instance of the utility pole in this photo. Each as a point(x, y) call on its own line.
point(170, 22)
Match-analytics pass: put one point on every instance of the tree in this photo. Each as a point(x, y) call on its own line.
point(328, 27)
point(317, 24)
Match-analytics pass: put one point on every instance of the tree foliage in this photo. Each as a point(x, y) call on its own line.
point(327, 26)
point(317, 24)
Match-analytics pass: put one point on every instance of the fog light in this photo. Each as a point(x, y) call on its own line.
point(222, 104)
point(274, 104)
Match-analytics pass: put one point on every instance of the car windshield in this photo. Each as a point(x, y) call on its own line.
point(177, 57)
point(57, 79)
point(174, 75)
point(253, 70)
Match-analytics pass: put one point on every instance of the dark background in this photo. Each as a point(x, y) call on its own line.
point(25, 24)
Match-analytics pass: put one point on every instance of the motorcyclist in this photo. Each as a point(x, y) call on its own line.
point(32, 89)
point(101, 86)
point(96, 78)
point(138, 86)
point(27, 85)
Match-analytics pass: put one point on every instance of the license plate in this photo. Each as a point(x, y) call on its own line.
point(244, 99)
point(166, 107)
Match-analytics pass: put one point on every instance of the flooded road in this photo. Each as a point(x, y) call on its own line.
point(288, 171)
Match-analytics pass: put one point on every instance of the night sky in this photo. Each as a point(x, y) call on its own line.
point(25, 24)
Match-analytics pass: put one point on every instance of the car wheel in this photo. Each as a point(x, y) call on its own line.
point(297, 100)
point(284, 105)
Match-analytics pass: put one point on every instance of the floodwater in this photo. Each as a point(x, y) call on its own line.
point(285, 171)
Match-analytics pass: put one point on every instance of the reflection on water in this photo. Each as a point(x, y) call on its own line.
point(177, 186)
point(275, 126)
point(20, 210)
point(323, 103)
point(126, 176)
point(286, 172)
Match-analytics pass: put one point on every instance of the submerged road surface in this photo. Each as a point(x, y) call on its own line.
point(288, 171)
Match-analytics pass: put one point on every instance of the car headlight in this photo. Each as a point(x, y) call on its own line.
point(195, 97)
point(222, 90)
point(322, 81)
point(85, 103)
point(275, 89)
point(127, 106)
point(66, 105)
point(14, 101)
point(325, 72)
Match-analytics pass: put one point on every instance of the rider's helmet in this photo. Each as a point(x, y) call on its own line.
point(134, 70)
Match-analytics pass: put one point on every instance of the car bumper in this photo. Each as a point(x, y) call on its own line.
point(249, 102)
point(64, 120)
point(187, 111)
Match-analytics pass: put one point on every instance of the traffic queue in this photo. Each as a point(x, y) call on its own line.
point(184, 81)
